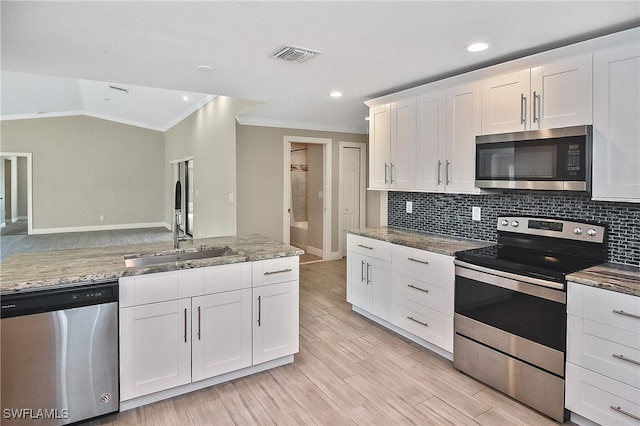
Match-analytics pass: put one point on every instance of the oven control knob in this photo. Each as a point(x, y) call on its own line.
point(504, 222)
point(591, 232)
point(577, 230)
point(515, 223)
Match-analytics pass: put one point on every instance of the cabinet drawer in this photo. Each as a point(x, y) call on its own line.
point(369, 247)
point(231, 277)
point(423, 265)
point(592, 395)
point(604, 306)
point(611, 359)
point(432, 326)
point(276, 270)
point(151, 288)
point(423, 293)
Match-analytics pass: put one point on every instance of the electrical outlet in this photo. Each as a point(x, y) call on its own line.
point(101, 217)
point(475, 214)
point(409, 206)
point(231, 197)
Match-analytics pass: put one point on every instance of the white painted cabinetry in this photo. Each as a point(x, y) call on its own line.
point(182, 327)
point(431, 151)
point(392, 133)
point(552, 95)
point(603, 355)
point(616, 132)
point(275, 308)
point(407, 290)
point(423, 291)
point(369, 275)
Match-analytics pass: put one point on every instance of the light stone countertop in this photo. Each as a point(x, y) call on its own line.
point(23, 271)
point(421, 240)
point(610, 276)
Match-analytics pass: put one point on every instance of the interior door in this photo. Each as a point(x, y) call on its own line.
point(350, 192)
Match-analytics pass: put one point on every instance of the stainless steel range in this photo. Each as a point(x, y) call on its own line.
point(510, 306)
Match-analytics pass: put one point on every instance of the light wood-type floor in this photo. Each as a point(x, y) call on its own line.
point(349, 371)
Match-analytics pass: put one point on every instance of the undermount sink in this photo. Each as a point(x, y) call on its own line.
point(145, 259)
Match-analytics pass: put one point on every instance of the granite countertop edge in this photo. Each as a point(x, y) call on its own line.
point(609, 276)
point(57, 268)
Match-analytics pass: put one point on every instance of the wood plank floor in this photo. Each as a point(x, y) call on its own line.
point(349, 371)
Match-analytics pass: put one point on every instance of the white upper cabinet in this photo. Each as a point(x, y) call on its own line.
point(553, 95)
point(392, 136)
point(432, 122)
point(616, 131)
point(463, 125)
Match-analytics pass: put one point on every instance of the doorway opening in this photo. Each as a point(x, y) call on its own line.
point(307, 195)
point(16, 216)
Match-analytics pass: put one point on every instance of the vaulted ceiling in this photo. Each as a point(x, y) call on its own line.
point(61, 57)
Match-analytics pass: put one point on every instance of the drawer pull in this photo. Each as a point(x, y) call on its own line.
point(424, 262)
point(624, 358)
point(620, 410)
point(418, 288)
point(368, 248)
point(627, 314)
point(419, 322)
point(278, 272)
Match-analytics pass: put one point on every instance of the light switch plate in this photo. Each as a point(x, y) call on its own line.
point(475, 214)
point(409, 206)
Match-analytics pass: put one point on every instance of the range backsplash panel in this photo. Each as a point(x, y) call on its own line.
point(450, 214)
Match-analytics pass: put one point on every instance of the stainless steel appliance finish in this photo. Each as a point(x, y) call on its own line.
point(59, 354)
point(510, 306)
point(551, 159)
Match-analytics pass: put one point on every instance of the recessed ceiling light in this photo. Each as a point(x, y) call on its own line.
point(477, 47)
point(366, 118)
point(205, 68)
point(185, 98)
point(335, 94)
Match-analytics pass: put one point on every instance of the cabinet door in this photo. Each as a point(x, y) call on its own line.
point(463, 125)
point(505, 100)
point(616, 108)
point(155, 347)
point(561, 94)
point(430, 145)
point(403, 144)
point(359, 291)
point(221, 333)
point(379, 276)
point(379, 143)
point(275, 321)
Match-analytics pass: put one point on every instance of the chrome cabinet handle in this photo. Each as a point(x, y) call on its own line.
point(259, 310)
point(199, 323)
point(278, 272)
point(523, 102)
point(386, 167)
point(368, 280)
point(419, 322)
point(627, 314)
point(368, 248)
point(424, 262)
point(620, 410)
point(362, 271)
point(185, 325)
point(536, 99)
point(624, 358)
point(446, 173)
point(439, 178)
point(418, 288)
point(391, 172)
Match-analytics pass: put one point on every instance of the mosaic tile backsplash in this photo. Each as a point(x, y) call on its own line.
point(450, 214)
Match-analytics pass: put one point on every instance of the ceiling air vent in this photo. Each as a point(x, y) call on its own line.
point(293, 53)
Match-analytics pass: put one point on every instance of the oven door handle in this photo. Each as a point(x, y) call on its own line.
point(533, 286)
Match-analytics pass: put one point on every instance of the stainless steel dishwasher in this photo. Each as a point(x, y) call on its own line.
point(59, 354)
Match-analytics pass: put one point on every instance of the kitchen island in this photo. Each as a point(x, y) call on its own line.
point(24, 271)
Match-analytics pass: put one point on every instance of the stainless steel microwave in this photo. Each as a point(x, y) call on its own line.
point(551, 159)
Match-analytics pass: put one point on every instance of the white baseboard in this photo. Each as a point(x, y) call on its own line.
point(3, 224)
point(19, 218)
point(100, 228)
point(313, 250)
point(335, 256)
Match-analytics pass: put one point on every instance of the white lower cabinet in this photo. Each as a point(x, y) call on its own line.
point(408, 290)
point(181, 327)
point(603, 355)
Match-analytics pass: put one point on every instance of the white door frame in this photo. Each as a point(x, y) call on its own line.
point(363, 188)
point(326, 183)
point(29, 157)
